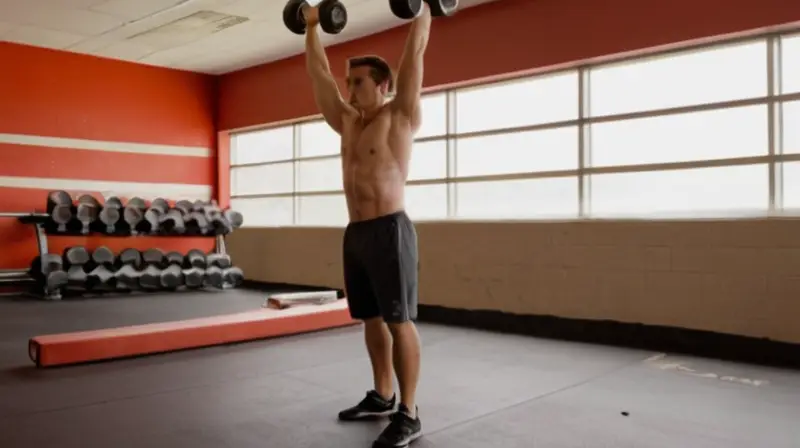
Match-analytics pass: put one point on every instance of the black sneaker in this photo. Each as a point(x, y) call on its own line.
point(401, 431)
point(372, 406)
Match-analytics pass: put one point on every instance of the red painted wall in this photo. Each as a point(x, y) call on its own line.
point(507, 36)
point(51, 93)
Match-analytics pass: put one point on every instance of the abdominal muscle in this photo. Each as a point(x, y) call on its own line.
point(374, 177)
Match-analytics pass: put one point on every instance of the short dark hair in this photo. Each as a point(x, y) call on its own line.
point(380, 71)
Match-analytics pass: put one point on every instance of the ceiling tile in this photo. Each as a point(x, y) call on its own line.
point(75, 21)
point(41, 37)
point(134, 9)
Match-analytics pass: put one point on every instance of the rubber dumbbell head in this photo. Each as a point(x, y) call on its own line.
point(405, 9)
point(222, 261)
point(195, 258)
point(174, 258)
point(113, 202)
point(101, 278)
point(153, 257)
point(127, 277)
point(76, 256)
point(332, 16)
point(160, 204)
point(171, 222)
point(233, 276)
point(442, 8)
point(184, 206)
point(234, 218)
point(193, 277)
point(109, 216)
point(214, 277)
point(150, 278)
point(293, 16)
point(172, 277)
point(103, 256)
point(195, 223)
point(56, 198)
point(130, 257)
point(87, 211)
point(136, 202)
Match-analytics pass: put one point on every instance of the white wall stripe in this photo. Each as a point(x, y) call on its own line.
point(99, 145)
point(107, 188)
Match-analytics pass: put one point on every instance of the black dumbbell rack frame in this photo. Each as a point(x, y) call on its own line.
point(21, 277)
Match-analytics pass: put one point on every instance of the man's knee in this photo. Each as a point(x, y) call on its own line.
point(398, 328)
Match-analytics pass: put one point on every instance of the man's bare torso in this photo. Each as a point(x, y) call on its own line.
point(375, 158)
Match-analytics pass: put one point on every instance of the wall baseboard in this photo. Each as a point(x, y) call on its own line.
point(606, 332)
point(640, 336)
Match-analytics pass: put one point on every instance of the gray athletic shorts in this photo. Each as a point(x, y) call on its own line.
point(381, 268)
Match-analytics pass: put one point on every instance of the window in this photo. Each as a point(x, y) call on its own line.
point(318, 139)
point(720, 73)
point(434, 116)
point(322, 210)
point(791, 186)
point(688, 192)
point(267, 145)
point(262, 179)
point(531, 101)
point(518, 152)
point(716, 134)
point(319, 175)
point(790, 64)
point(791, 127)
point(265, 212)
point(427, 201)
point(428, 160)
point(518, 199)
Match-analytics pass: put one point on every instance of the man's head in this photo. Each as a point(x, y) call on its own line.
point(369, 81)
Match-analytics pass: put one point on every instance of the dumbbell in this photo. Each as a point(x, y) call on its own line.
point(153, 215)
point(218, 224)
point(110, 214)
point(87, 211)
point(171, 222)
point(194, 268)
point(234, 218)
point(48, 272)
point(222, 261)
point(332, 15)
point(74, 259)
point(59, 208)
point(127, 274)
point(172, 274)
point(233, 276)
point(214, 276)
point(154, 262)
point(101, 275)
point(408, 9)
point(133, 216)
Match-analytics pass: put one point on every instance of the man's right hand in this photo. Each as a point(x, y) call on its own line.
point(311, 15)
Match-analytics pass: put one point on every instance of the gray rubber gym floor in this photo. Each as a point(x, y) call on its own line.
point(478, 389)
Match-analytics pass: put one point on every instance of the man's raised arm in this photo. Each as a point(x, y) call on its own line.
point(326, 92)
point(409, 74)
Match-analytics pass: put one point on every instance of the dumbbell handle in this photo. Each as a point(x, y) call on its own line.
point(313, 3)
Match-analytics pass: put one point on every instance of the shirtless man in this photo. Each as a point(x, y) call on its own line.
point(380, 242)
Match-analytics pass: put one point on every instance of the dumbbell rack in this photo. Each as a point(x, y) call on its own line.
point(21, 277)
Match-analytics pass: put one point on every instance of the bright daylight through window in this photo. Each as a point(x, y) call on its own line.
point(696, 132)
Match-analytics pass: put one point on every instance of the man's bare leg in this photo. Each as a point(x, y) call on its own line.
point(406, 356)
point(379, 346)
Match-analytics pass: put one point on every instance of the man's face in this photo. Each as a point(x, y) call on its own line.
point(362, 90)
